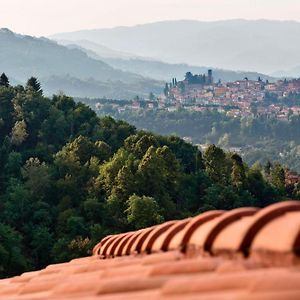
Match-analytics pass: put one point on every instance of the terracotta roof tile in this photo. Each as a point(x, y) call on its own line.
point(138, 242)
point(126, 250)
point(115, 243)
point(162, 243)
point(119, 248)
point(243, 254)
point(100, 244)
point(263, 217)
point(155, 234)
point(183, 239)
point(286, 228)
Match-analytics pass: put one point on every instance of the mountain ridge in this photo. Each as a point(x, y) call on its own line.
point(264, 46)
point(161, 70)
point(21, 55)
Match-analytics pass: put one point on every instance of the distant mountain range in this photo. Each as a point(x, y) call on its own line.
point(24, 56)
point(93, 88)
point(156, 69)
point(78, 65)
point(293, 72)
point(260, 46)
point(99, 50)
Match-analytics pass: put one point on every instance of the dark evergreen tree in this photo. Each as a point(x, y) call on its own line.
point(4, 80)
point(34, 85)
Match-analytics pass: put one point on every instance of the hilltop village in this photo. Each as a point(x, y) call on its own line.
point(238, 98)
point(280, 99)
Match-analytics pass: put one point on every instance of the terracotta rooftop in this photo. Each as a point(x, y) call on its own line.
point(243, 254)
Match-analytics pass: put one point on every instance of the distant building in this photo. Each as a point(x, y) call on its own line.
point(233, 98)
point(210, 79)
point(291, 177)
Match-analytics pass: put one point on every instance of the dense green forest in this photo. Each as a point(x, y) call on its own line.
point(68, 178)
point(261, 138)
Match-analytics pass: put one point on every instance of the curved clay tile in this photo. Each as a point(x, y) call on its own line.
point(182, 239)
point(279, 235)
point(127, 247)
point(155, 234)
point(229, 239)
point(137, 244)
point(225, 220)
point(107, 243)
point(204, 236)
point(163, 241)
point(296, 245)
point(111, 248)
point(97, 247)
point(119, 249)
point(263, 217)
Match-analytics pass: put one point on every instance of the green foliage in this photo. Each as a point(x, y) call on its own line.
point(6, 111)
point(41, 243)
point(216, 164)
point(278, 177)
point(65, 249)
point(13, 164)
point(238, 174)
point(143, 212)
point(260, 138)
point(34, 85)
point(220, 197)
point(12, 261)
point(36, 176)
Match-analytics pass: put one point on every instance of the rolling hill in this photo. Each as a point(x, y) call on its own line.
point(155, 69)
point(260, 46)
point(24, 56)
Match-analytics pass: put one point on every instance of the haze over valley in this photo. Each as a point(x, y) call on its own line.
point(127, 61)
point(271, 47)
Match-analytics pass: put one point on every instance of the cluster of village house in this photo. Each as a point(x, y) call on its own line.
point(291, 177)
point(238, 98)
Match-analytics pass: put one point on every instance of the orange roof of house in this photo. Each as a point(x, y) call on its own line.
point(244, 254)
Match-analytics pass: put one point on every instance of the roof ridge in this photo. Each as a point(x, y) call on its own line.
point(182, 259)
point(235, 233)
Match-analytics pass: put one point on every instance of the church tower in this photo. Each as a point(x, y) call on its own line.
point(210, 79)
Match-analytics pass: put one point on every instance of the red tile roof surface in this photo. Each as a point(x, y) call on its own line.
point(242, 254)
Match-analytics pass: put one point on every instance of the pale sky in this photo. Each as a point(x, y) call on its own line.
point(45, 17)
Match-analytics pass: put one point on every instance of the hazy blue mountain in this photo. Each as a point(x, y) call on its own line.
point(262, 46)
point(164, 71)
point(94, 88)
point(293, 72)
point(100, 50)
point(24, 56)
point(157, 69)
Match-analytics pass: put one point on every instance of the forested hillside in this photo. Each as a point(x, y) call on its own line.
point(69, 70)
point(260, 138)
point(68, 178)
